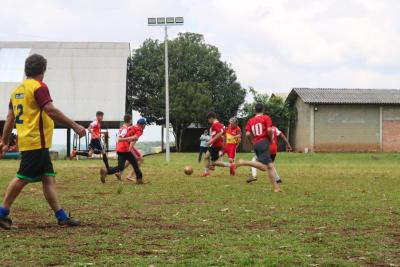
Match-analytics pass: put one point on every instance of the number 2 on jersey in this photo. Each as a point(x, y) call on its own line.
point(20, 109)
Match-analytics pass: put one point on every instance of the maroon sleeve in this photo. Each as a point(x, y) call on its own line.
point(42, 95)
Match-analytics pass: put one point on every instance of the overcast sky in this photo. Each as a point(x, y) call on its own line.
point(273, 45)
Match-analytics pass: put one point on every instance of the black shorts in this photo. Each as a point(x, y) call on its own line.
point(262, 152)
point(203, 149)
point(96, 145)
point(214, 153)
point(35, 164)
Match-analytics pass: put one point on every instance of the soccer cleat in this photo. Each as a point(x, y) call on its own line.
point(206, 174)
point(212, 168)
point(118, 175)
point(139, 181)
point(69, 222)
point(279, 181)
point(251, 179)
point(5, 223)
point(232, 169)
point(103, 175)
point(73, 154)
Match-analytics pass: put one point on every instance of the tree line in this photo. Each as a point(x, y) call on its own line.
point(199, 82)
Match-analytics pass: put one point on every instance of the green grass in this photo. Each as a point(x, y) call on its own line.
point(337, 210)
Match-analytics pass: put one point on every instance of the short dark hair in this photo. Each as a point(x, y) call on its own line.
point(211, 115)
point(35, 65)
point(99, 113)
point(127, 118)
point(259, 108)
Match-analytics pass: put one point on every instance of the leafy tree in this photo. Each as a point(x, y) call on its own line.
point(279, 111)
point(199, 82)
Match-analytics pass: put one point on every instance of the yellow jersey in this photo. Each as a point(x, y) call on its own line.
point(34, 126)
point(230, 134)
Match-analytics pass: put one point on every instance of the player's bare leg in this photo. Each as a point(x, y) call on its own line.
point(230, 165)
point(49, 191)
point(262, 167)
point(132, 173)
point(13, 190)
point(207, 164)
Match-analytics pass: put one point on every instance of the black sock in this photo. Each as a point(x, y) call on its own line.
point(105, 160)
point(81, 153)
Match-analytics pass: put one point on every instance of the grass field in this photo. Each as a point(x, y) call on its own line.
point(337, 210)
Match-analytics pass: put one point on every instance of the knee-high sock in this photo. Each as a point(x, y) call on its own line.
point(277, 178)
point(254, 170)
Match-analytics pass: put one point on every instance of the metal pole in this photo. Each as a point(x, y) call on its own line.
point(167, 148)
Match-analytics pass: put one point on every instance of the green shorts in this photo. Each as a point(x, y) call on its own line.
point(35, 164)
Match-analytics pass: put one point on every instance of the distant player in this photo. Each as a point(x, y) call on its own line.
point(216, 144)
point(136, 131)
point(276, 134)
point(233, 135)
point(33, 113)
point(259, 131)
point(95, 145)
point(123, 152)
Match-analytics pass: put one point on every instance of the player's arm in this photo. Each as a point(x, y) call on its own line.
point(7, 130)
point(61, 118)
point(249, 135)
point(90, 129)
point(284, 138)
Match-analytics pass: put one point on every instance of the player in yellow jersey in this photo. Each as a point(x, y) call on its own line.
point(33, 113)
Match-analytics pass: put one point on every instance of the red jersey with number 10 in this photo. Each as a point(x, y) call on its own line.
point(258, 126)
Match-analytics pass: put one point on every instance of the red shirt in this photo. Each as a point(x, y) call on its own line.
point(215, 129)
point(258, 126)
point(136, 130)
point(95, 126)
point(123, 146)
point(273, 148)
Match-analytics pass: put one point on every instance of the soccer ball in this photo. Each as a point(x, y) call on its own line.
point(188, 170)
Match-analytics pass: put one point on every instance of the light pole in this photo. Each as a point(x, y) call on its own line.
point(165, 22)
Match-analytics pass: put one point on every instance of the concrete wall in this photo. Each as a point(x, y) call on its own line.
point(391, 129)
point(338, 128)
point(347, 128)
point(300, 133)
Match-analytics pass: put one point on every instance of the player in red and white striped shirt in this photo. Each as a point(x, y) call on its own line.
point(259, 131)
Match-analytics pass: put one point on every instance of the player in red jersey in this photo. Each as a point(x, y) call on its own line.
point(233, 135)
point(259, 131)
point(123, 152)
point(95, 145)
point(216, 144)
point(273, 150)
point(137, 131)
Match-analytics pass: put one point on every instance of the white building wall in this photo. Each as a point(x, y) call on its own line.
point(82, 77)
